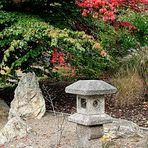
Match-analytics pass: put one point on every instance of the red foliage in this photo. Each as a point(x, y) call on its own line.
point(58, 57)
point(128, 25)
point(108, 8)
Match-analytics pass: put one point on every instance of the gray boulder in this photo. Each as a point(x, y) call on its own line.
point(28, 100)
point(122, 133)
point(122, 128)
point(15, 128)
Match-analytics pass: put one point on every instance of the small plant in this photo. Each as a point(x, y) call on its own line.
point(131, 78)
point(130, 88)
point(137, 61)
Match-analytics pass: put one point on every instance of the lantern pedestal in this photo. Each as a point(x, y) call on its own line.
point(90, 132)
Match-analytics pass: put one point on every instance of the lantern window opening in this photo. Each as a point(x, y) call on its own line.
point(83, 103)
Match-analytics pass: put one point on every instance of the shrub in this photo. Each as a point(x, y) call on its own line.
point(5, 3)
point(140, 22)
point(128, 31)
point(117, 43)
point(27, 37)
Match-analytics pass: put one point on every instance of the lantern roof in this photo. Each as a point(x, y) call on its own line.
point(90, 87)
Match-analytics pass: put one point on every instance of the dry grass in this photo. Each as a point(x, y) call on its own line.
point(132, 78)
point(130, 89)
point(137, 61)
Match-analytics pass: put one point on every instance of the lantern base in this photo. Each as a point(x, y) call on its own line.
point(90, 120)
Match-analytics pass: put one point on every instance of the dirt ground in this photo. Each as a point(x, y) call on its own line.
point(54, 131)
point(49, 132)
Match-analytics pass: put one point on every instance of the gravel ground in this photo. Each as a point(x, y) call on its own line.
point(55, 132)
point(49, 132)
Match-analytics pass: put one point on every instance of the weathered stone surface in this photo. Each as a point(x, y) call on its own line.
point(92, 132)
point(4, 109)
point(90, 87)
point(94, 105)
point(15, 128)
point(122, 128)
point(89, 120)
point(90, 107)
point(86, 134)
point(28, 101)
point(122, 133)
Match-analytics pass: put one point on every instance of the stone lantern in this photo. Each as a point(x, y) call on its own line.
point(90, 115)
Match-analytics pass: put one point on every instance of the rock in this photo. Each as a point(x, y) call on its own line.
point(4, 109)
point(28, 100)
point(130, 142)
point(123, 128)
point(15, 128)
point(122, 133)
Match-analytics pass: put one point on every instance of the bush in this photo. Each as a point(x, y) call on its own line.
point(5, 3)
point(117, 43)
point(118, 39)
point(25, 38)
point(140, 21)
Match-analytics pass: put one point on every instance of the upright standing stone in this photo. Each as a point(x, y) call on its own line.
point(90, 115)
point(28, 101)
